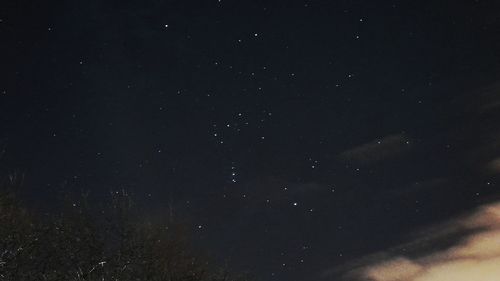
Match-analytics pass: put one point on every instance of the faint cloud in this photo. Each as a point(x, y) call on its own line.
point(494, 166)
point(490, 98)
point(494, 105)
point(419, 186)
point(378, 149)
point(476, 255)
point(396, 269)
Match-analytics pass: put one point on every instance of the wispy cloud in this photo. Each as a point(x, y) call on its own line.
point(490, 98)
point(419, 186)
point(494, 166)
point(475, 256)
point(378, 149)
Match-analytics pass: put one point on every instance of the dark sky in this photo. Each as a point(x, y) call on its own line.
point(297, 136)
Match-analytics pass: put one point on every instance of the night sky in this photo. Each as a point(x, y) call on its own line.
point(296, 137)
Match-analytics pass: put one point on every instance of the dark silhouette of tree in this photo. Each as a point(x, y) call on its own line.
point(79, 243)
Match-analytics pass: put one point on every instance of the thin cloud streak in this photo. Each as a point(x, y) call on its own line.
point(378, 149)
